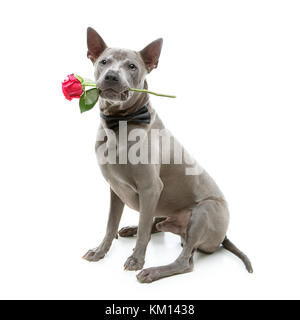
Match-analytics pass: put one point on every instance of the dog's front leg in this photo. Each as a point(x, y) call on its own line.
point(148, 199)
point(115, 213)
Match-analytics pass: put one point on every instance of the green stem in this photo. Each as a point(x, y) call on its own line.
point(151, 92)
point(89, 84)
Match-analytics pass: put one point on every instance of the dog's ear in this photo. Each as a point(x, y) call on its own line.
point(151, 53)
point(95, 44)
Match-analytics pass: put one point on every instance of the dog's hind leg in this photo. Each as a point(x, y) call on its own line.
point(206, 228)
point(132, 231)
point(183, 264)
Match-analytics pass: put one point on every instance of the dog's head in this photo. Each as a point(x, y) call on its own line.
point(117, 70)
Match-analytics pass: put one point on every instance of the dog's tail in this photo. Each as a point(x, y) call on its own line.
point(227, 244)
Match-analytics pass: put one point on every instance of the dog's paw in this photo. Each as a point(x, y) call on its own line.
point(147, 275)
point(128, 232)
point(94, 255)
point(133, 264)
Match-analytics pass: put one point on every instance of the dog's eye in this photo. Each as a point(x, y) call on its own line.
point(132, 66)
point(103, 62)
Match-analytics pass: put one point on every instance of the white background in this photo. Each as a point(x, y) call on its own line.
point(236, 70)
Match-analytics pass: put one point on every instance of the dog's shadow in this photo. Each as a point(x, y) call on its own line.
point(201, 256)
point(159, 240)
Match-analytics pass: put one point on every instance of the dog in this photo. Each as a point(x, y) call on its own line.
point(170, 196)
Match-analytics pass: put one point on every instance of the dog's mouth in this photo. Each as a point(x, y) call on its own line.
point(112, 94)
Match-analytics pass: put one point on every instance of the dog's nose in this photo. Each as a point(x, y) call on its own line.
point(112, 76)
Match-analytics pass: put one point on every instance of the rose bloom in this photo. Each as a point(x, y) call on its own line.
point(72, 87)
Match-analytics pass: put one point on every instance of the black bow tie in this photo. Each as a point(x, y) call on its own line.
point(140, 116)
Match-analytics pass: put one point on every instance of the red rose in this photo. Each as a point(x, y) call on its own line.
point(72, 87)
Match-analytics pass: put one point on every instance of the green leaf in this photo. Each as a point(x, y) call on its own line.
point(89, 99)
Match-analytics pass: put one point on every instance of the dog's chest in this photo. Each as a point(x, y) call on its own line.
point(121, 183)
point(119, 175)
point(119, 153)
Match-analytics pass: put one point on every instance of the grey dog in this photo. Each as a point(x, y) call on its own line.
point(167, 198)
